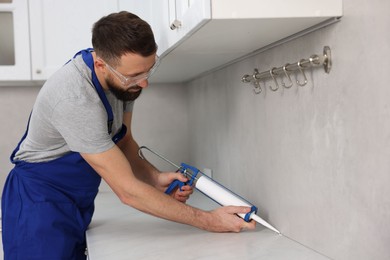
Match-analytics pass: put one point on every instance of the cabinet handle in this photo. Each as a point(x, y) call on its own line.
point(175, 24)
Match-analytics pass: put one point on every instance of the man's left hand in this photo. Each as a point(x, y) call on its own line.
point(180, 194)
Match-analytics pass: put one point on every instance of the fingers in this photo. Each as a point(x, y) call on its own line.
point(187, 189)
point(227, 220)
point(242, 225)
point(176, 176)
point(237, 209)
point(183, 194)
point(249, 225)
point(181, 177)
point(242, 210)
point(181, 198)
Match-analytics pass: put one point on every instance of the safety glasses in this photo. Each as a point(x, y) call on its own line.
point(133, 81)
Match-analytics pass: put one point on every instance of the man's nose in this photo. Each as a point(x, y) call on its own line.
point(144, 83)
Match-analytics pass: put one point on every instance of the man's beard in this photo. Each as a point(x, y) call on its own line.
point(129, 94)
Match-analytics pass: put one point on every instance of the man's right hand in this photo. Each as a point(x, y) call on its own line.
point(225, 219)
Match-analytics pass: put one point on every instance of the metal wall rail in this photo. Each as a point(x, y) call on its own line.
point(284, 72)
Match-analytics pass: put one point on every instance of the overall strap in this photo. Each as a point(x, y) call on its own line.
point(88, 59)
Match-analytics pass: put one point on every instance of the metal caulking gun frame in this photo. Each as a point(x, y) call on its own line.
point(210, 188)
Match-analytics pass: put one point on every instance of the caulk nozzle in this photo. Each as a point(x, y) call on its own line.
point(264, 223)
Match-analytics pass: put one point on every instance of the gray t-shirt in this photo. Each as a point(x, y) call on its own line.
point(68, 115)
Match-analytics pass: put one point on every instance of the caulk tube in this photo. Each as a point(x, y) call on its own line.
point(226, 197)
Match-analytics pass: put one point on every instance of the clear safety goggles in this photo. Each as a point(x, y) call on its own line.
point(133, 81)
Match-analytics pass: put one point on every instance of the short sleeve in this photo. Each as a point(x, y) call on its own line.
point(83, 125)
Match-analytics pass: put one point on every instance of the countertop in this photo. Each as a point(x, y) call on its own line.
point(118, 232)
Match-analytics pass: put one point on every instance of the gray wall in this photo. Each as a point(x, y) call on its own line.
point(15, 108)
point(160, 122)
point(315, 159)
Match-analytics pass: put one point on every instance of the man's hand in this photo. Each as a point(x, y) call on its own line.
point(166, 178)
point(225, 219)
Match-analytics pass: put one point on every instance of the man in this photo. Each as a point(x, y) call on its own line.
point(79, 131)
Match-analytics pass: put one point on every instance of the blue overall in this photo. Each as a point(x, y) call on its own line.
point(47, 206)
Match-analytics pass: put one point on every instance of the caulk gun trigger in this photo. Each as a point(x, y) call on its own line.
point(174, 185)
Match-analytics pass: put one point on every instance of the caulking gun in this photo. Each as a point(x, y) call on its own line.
point(210, 188)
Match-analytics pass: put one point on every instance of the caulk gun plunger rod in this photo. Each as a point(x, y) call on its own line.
point(140, 154)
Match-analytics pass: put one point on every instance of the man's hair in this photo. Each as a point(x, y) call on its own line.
point(119, 33)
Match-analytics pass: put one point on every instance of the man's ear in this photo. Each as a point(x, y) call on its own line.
point(99, 64)
point(100, 67)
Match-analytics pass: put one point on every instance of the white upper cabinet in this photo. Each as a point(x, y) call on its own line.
point(171, 20)
point(194, 36)
point(211, 33)
point(14, 41)
point(184, 18)
point(59, 29)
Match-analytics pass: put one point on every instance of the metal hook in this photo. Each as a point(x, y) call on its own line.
point(287, 76)
point(256, 81)
point(303, 73)
point(271, 72)
point(257, 89)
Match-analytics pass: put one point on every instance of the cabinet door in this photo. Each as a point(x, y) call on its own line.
point(184, 17)
point(14, 46)
point(155, 13)
point(161, 14)
point(141, 8)
point(59, 29)
point(159, 20)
